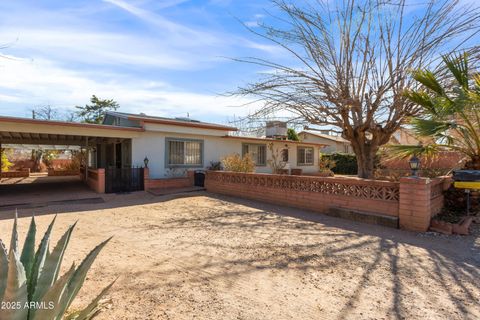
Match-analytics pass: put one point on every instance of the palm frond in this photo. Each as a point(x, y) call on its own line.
point(423, 99)
point(458, 66)
point(428, 79)
point(429, 127)
point(407, 151)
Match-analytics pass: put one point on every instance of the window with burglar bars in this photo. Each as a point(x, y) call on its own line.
point(304, 156)
point(180, 152)
point(257, 151)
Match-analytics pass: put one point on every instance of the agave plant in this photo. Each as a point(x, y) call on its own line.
point(451, 111)
point(30, 283)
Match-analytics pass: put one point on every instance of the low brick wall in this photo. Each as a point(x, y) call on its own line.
point(96, 180)
point(16, 174)
point(413, 200)
point(309, 192)
point(62, 173)
point(180, 182)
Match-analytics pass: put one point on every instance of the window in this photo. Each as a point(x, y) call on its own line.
point(285, 155)
point(257, 151)
point(183, 152)
point(304, 156)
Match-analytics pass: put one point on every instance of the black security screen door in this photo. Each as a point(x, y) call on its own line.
point(123, 179)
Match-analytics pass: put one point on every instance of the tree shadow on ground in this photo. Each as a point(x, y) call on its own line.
point(412, 265)
point(414, 269)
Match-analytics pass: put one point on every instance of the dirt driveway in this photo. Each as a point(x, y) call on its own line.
point(208, 257)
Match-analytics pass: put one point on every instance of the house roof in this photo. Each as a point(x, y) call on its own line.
point(184, 122)
point(257, 139)
point(326, 136)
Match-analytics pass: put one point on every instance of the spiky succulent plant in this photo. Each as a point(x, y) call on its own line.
point(30, 285)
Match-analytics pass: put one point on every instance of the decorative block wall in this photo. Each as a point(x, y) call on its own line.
point(413, 200)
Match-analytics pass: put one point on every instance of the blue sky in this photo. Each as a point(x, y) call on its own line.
point(159, 57)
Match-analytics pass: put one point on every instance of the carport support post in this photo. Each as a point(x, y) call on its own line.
point(86, 158)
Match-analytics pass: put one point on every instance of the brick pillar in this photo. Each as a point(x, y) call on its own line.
point(415, 205)
point(191, 177)
point(101, 180)
point(146, 178)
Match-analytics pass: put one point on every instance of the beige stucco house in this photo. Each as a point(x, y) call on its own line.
point(172, 146)
point(176, 145)
point(334, 143)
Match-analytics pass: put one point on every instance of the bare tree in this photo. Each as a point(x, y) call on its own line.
point(353, 62)
point(45, 113)
point(50, 113)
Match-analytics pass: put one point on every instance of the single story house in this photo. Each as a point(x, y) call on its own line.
point(333, 143)
point(173, 146)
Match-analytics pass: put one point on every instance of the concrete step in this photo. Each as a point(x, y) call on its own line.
point(167, 191)
point(365, 217)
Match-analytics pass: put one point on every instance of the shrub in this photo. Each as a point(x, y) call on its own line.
point(325, 165)
point(78, 158)
point(236, 163)
point(6, 164)
point(215, 166)
point(33, 278)
point(344, 163)
point(276, 163)
point(49, 156)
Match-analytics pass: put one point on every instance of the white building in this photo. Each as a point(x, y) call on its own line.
point(175, 145)
point(333, 143)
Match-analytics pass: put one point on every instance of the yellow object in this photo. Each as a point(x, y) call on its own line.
point(467, 184)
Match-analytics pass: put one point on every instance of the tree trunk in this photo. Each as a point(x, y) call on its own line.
point(366, 153)
point(365, 165)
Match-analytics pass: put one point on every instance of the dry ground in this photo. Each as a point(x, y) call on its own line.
point(208, 257)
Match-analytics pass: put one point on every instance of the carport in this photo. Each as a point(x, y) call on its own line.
point(105, 146)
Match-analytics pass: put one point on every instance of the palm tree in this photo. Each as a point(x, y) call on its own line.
point(450, 99)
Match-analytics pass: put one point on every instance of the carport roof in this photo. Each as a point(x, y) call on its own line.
point(47, 132)
point(65, 123)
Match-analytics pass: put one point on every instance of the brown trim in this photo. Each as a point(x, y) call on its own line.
point(273, 140)
point(68, 124)
point(184, 124)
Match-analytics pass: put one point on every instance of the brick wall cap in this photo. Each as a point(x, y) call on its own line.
point(412, 180)
point(340, 179)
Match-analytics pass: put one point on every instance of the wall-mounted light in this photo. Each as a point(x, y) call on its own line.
point(414, 163)
point(145, 161)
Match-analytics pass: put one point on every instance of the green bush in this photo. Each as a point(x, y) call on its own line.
point(344, 163)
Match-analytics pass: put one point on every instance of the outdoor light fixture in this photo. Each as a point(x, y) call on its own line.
point(146, 162)
point(414, 163)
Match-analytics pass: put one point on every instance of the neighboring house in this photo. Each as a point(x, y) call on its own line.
point(334, 143)
point(406, 136)
point(176, 145)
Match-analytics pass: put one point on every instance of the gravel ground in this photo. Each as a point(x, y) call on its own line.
point(212, 257)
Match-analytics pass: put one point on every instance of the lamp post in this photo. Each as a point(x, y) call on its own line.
point(414, 163)
point(145, 161)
